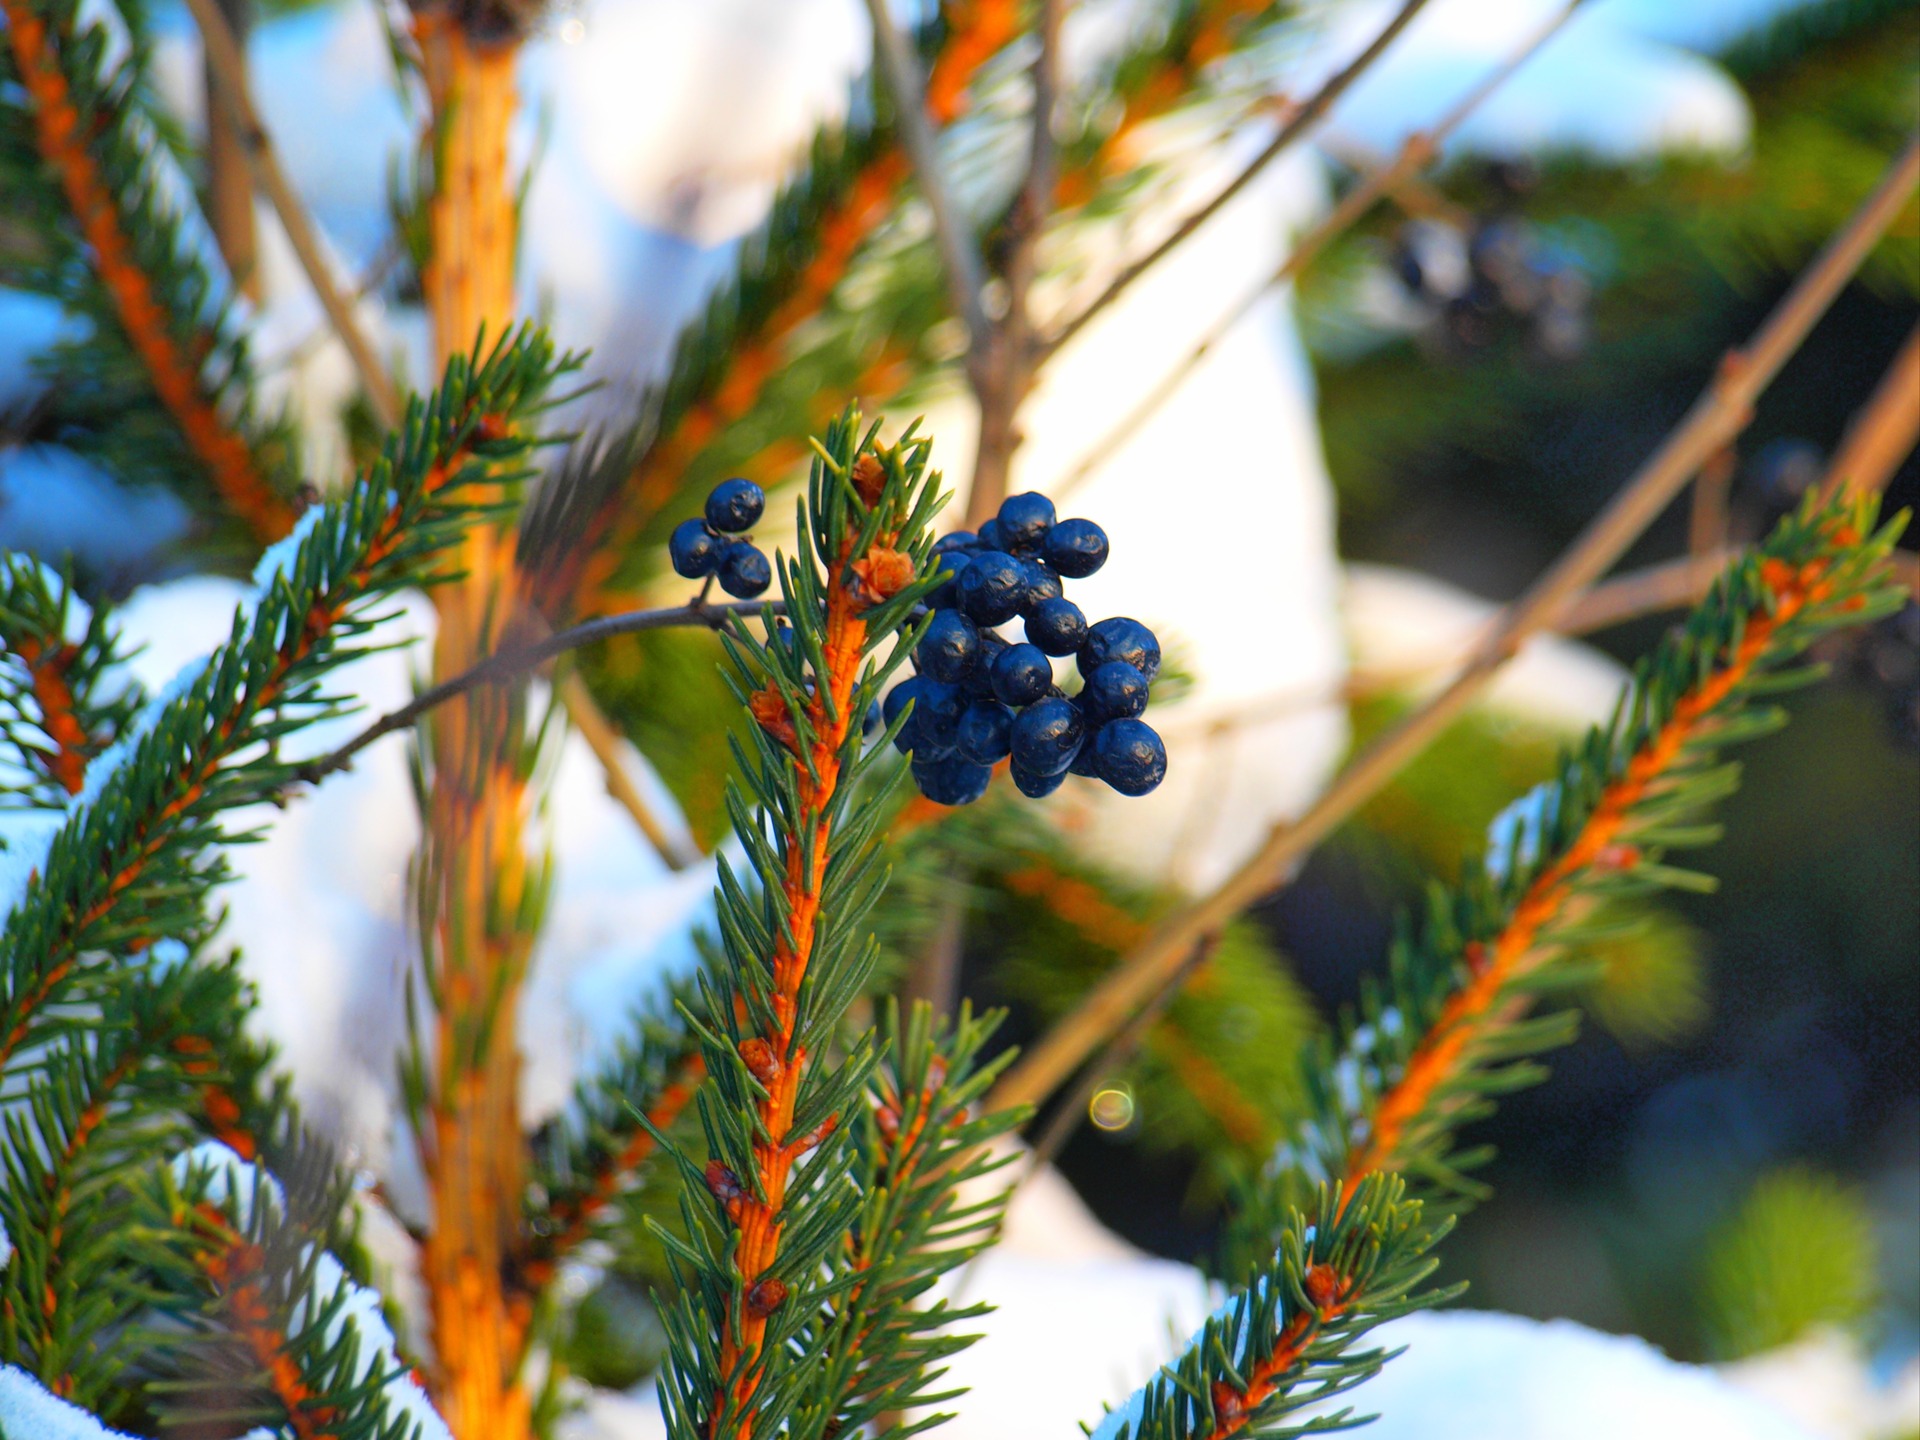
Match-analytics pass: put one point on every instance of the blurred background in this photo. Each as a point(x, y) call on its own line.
point(1316, 513)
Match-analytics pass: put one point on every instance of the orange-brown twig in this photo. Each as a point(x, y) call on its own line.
point(174, 371)
point(1234, 1409)
point(780, 1063)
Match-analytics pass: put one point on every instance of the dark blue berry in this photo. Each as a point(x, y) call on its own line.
point(1076, 548)
point(990, 588)
point(1042, 585)
point(897, 700)
point(1057, 626)
point(1114, 691)
point(958, 540)
point(744, 571)
point(1085, 764)
point(951, 781)
point(979, 682)
point(1021, 675)
point(1120, 638)
point(1047, 736)
point(870, 726)
point(936, 716)
point(1132, 758)
point(990, 537)
point(1036, 787)
point(949, 648)
point(735, 505)
point(1025, 521)
point(946, 594)
point(693, 549)
point(985, 732)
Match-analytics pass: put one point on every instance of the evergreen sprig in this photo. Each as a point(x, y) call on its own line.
point(768, 1213)
point(266, 1327)
point(584, 1161)
point(64, 693)
point(137, 847)
point(1450, 1028)
point(161, 384)
point(1286, 1339)
point(922, 1138)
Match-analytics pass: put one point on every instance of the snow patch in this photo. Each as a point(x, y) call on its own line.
point(1519, 829)
point(279, 557)
point(29, 1412)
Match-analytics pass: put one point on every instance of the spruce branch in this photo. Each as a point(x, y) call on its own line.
point(922, 1138)
point(580, 1167)
point(84, 154)
point(1720, 413)
point(131, 857)
point(1452, 1030)
point(1286, 1338)
point(62, 698)
point(767, 1213)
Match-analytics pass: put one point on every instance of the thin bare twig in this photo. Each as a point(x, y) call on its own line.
point(604, 739)
point(505, 664)
point(228, 68)
point(1003, 374)
point(1722, 410)
point(960, 261)
point(1416, 153)
point(1295, 125)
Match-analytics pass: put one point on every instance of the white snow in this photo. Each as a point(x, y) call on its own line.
point(1475, 1375)
point(277, 559)
point(1517, 830)
point(30, 1412)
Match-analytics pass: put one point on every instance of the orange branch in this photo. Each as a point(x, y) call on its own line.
point(777, 1059)
point(62, 140)
point(47, 667)
point(1233, 1409)
point(1483, 1002)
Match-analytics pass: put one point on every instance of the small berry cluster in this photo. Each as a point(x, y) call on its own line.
point(980, 698)
point(715, 546)
point(1499, 273)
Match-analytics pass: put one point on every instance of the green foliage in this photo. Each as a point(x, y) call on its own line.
point(117, 1037)
point(102, 395)
point(1799, 1254)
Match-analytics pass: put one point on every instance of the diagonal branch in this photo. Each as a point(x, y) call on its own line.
point(1883, 433)
point(1721, 412)
point(228, 69)
point(959, 256)
point(1296, 125)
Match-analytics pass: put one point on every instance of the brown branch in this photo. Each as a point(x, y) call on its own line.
point(1720, 413)
point(61, 135)
point(517, 660)
point(229, 186)
point(1296, 125)
point(227, 69)
point(960, 263)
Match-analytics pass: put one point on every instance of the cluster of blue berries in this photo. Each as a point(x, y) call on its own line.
point(979, 698)
point(714, 545)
